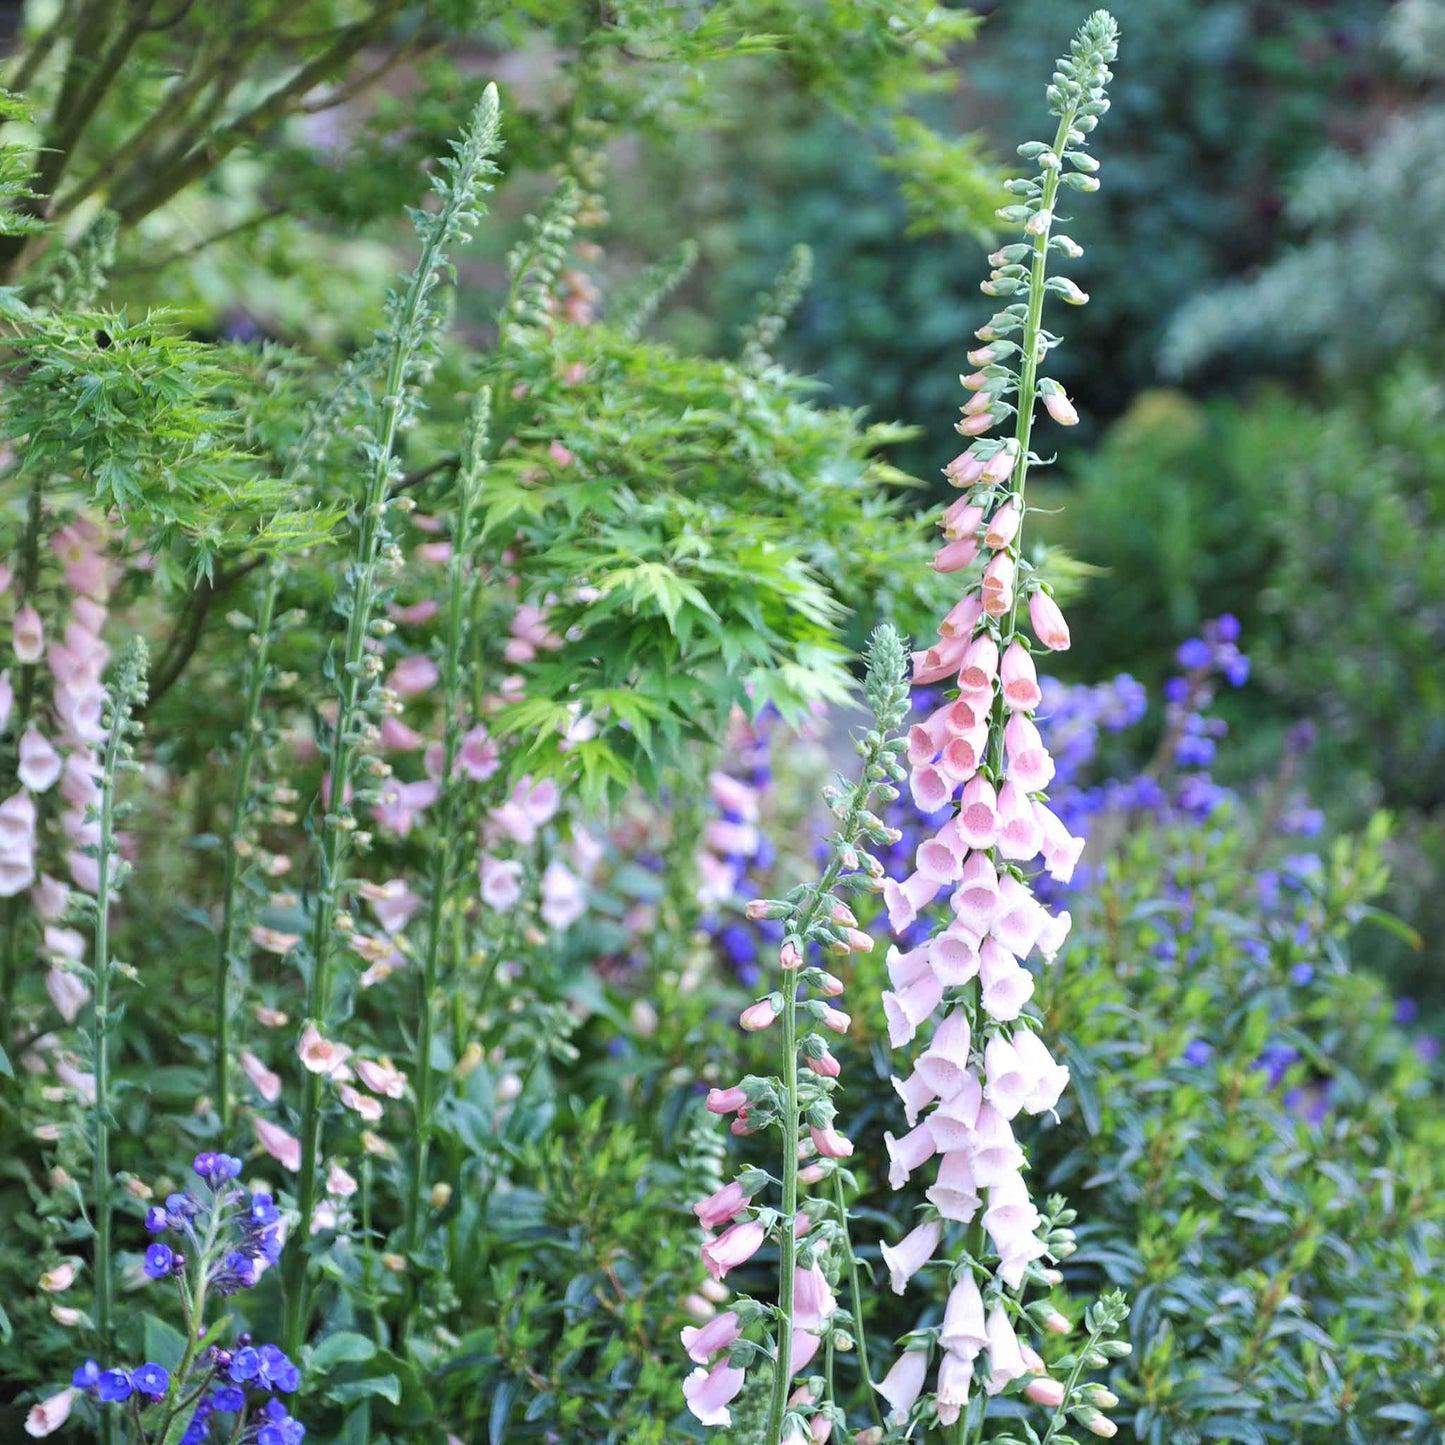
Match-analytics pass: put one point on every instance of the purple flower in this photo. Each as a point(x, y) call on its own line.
point(160, 1261)
point(217, 1169)
point(86, 1376)
point(1198, 1053)
point(1226, 627)
point(1302, 973)
point(228, 1399)
point(1406, 1011)
point(157, 1221)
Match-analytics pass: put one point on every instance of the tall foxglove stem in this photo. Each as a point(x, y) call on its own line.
point(412, 323)
point(247, 743)
point(461, 583)
point(128, 694)
point(985, 1062)
point(811, 916)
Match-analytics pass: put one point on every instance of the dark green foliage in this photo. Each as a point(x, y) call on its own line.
point(1278, 1259)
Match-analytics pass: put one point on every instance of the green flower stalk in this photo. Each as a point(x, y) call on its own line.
point(968, 984)
point(413, 321)
point(127, 695)
point(248, 743)
point(460, 586)
point(799, 1103)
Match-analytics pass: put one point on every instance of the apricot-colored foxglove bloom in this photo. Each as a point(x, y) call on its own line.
point(981, 760)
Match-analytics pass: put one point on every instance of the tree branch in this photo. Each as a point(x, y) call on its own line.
point(282, 102)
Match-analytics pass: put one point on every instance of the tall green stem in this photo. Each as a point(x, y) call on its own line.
point(444, 853)
point(411, 324)
point(226, 951)
point(792, 1113)
point(1028, 382)
point(128, 692)
point(28, 580)
point(855, 1298)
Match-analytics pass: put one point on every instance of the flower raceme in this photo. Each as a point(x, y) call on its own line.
point(810, 1231)
point(981, 757)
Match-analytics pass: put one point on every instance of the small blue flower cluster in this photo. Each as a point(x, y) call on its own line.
point(113, 1387)
point(232, 1235)
point(262, 1370)
point(254, 1218)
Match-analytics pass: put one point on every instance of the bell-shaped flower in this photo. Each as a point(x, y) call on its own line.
point(1007, 987)
point(915, 1093)
point(719, 1333)
point(906, 1008)
point(910, 1152)
point(944, 1064)
point(955, 1375)
point(1005, 1361)
point(1029, 763)
point(953, 955)
point(1019, 680)
point(978, 817)
point(1046, 1079)
point(963, 1330)
point(1048, 622)
point(954, 1194)
point(911, 1253)
point(903, 1384)
point(709, 1392)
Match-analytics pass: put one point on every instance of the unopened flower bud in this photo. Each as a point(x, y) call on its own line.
point(758, 1016)
point(1045, 1392)
point(395, 1263)
point(441, 1194)
point(1056, 1324)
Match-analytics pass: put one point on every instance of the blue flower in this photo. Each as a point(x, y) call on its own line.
point(261, 1212)
point(276, 1372)
point(228, 1399)
point(157, 1221)
point(280, 1428)
point(152, 1379)
point(1226, 627)
point(114, 1386)
point(160, 1261)
point(1198, 1053)
point(217, 1169)
point(1195, 655)
point(245, 1365)
point(1236, 670)
point(86, 1376)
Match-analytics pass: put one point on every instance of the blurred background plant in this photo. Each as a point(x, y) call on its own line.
point(204, 211)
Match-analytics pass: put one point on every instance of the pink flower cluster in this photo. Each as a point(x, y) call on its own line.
point(980, 756)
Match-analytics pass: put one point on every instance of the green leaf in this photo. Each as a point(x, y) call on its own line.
point(347, 1392)
point(343, 1348)
point(162, 1343)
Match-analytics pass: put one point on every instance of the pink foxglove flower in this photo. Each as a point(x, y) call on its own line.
point(28, 635)
point(720, 1333)
point(903, 1384)
point(284, 1148)
point(48, 1415)
point(709, 1392)
point(733, 1247)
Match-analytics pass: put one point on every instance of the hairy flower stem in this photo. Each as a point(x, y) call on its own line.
point(128, 694)
point(226, 949)
point(1028, 383)
point(855, 1299)
point(444, 854)
point(848, 835)
point(24, 700)
point(412, 321)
